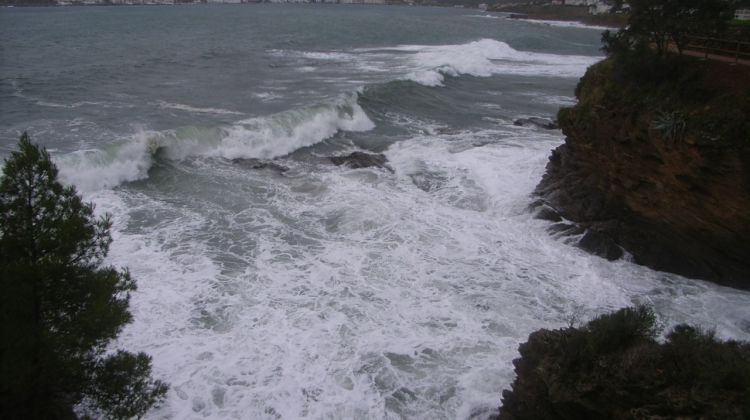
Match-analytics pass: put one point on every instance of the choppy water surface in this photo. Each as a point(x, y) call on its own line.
point(323, 291)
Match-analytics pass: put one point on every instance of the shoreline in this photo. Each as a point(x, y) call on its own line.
point(564, 23)
point(564, 14)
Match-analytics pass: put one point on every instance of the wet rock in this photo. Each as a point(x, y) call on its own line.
point(544, 123)
point(565, 229)
point(253, 163)
point(358, 160)
point(600, 244)
point(548, 213)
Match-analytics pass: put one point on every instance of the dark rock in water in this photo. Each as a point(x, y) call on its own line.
point(566, 229)
point(428, 181)
point(614, 368)
point(600, 244)
point(548, 213)
point(544, 123)
point(358, 160)
point(675, 204)
point(252, 163)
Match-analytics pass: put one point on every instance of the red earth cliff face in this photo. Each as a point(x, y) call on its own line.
point(662, 172)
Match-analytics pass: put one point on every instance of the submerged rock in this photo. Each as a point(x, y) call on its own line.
point(253, 163)
point(358, 160)
point(544, 123)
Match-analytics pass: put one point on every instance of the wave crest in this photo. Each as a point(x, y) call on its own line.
point(262, 137)
point(486, 57)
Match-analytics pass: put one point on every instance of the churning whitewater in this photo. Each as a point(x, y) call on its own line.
point(300, 289)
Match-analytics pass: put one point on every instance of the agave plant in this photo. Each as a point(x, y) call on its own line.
point(671, 125)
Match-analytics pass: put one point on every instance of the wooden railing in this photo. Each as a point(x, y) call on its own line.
point(726, 48)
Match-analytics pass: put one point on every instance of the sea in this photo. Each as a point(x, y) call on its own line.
point(273, 284)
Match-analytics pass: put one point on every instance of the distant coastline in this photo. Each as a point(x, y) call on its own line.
point(551, 13)
point(48, 3)
point(578, 14)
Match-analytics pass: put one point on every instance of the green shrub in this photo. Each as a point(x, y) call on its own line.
point(615, 368)
point(622, 329)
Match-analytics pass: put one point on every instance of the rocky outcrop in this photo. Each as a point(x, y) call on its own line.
point(358, 160)
point(613, 368)
point(252, 163)
point(544, 123)
point(658, 168)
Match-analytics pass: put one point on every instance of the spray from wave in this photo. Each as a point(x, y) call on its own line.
point(261, 137)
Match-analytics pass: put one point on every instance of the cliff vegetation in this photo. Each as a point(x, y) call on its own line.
point(656, 161)
point(614, 368)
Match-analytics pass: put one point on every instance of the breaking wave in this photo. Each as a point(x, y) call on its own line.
point(566, 24)
point(261, 137)
point(280, 134)
point(483, 58)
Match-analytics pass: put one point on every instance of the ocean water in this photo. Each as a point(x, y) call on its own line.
point(325, 292)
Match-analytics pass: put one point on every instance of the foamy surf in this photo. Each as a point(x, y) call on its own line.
point(429, 64)
point(188, 108)
point(488, 57)
point(283, 133)
point(329, 292)
point(565, 24)
point(261, 137)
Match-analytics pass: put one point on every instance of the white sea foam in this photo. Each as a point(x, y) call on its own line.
point(338, 293)
point(345, 293)
point(283, 133)
point(183, 107)
point(484, 16)
point(331, 55)
point(566, 24)
point(95, 169)
point(556, 100)
point(429, 64)
point(262, 137)
point(19, 93)
point(267, 96)
point(486, 57)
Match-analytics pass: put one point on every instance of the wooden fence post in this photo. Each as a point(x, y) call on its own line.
point(737, 53)
point(705, 47)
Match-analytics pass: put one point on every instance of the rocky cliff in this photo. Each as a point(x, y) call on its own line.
point(656, 163)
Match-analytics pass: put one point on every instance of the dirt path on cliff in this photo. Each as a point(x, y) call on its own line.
point(713, 56)
point(716, 57)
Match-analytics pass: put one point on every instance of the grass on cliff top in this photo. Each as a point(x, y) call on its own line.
point(614, 367)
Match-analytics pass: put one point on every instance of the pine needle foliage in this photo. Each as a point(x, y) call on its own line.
point(59, 306)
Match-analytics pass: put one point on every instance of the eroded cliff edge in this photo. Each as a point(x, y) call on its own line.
point(656, 162)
